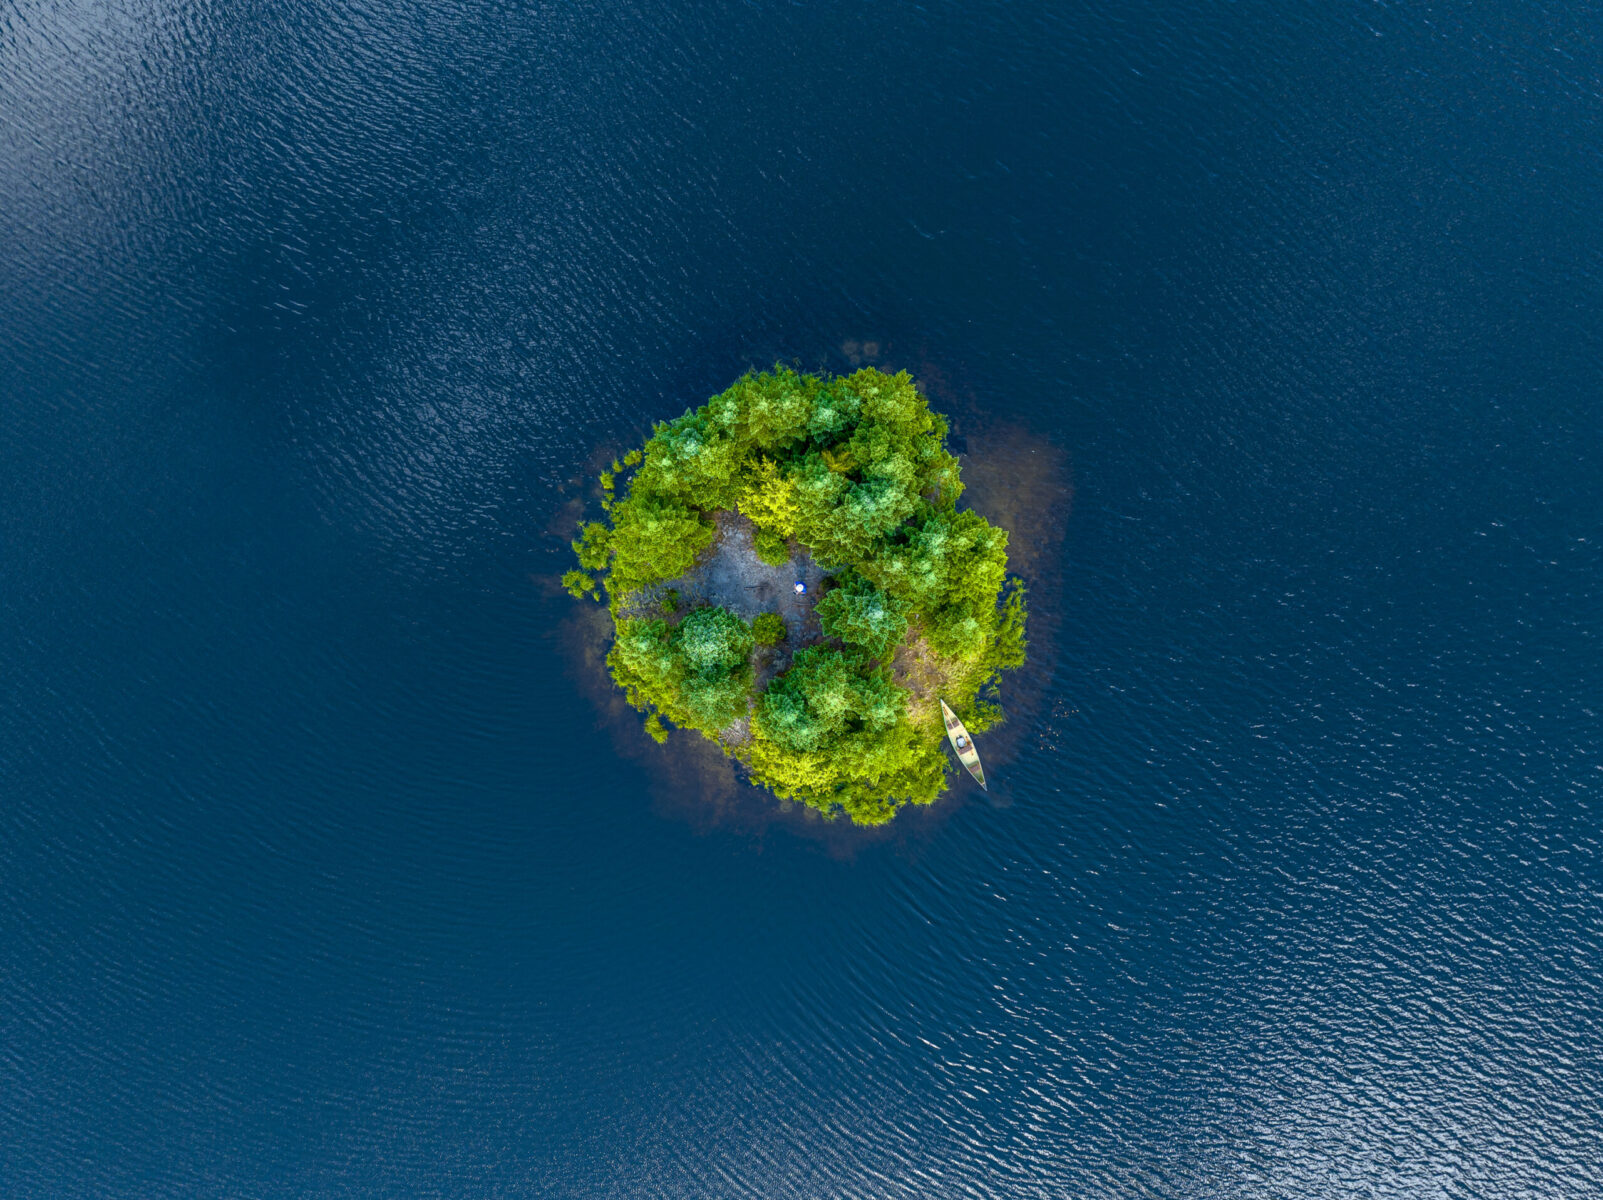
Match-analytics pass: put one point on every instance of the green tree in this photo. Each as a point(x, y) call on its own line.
point(859, 614)
point(713, 701)
point(654, 539)
point(693, 463)
point(713, 640)
point(769, 499)
point(714, 645)
point(827, 692)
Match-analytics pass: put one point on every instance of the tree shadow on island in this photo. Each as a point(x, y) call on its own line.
point(1014, 478)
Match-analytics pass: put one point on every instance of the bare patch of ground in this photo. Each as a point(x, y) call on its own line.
point(730, 575)
point(915, 666)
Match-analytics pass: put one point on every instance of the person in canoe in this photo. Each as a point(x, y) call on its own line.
point(963, 744)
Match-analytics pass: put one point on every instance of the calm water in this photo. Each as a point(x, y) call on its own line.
point(326, 870)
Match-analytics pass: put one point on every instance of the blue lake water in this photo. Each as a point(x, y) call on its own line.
point(327, 868)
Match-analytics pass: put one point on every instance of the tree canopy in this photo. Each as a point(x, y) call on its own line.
point(854, 470)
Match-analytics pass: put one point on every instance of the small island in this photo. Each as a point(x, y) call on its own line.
point(790, 575)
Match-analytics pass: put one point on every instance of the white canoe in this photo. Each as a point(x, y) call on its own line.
point(963, 745)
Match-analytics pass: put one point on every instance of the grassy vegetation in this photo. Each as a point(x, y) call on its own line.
point(854, 469)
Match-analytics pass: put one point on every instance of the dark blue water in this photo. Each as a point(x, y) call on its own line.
point(326, 868)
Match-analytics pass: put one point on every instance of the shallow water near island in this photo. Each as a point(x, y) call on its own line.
point(331, 865)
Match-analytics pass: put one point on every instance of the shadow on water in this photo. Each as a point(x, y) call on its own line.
point(1023, 482)
point(1016, 479)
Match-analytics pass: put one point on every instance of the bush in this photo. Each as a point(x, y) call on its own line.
point(579, 584)
point(772, 548)
point(769, 629)
point(594, 546)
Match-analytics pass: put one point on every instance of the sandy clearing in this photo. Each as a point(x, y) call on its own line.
point(731, 575)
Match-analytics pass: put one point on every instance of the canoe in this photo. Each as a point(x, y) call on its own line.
point(963, 745)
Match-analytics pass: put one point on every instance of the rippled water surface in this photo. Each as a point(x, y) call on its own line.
point(328, 870)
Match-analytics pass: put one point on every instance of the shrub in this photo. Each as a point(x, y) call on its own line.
point(594, 546)
point(769, 629)
point(772, 548)
point(579, 584)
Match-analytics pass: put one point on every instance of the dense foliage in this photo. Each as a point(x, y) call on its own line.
point(697, 672)
point(854, 471)
point(769, 629)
